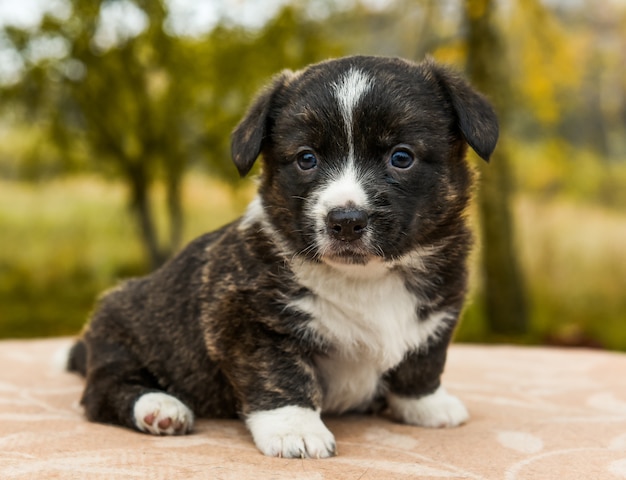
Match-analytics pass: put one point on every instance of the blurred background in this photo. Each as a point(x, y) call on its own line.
point(115, 118)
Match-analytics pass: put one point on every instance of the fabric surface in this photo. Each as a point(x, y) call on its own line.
point(536, 413)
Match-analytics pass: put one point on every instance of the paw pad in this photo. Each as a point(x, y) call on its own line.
point(162, 414)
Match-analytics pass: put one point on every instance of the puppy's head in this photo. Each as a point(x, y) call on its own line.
point(364, 156)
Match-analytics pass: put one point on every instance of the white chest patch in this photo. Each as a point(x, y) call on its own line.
point(370, 319)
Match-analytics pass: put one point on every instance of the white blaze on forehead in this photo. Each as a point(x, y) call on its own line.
point(349, 90)
point(344, 187)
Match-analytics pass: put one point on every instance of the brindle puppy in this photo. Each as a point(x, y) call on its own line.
point(339, 288)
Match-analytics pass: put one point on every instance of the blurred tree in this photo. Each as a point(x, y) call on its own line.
point(503, 289)
point(239, 62)
point(117, 93)
point(144, 102)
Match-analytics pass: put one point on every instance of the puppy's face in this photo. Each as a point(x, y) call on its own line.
point(364, 156)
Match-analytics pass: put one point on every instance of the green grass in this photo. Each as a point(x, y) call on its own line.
point(573, 258)
point(63, 242)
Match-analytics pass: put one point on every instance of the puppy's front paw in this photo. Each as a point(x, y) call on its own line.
point(437, 410)
point(291, 432)
point(162, 414)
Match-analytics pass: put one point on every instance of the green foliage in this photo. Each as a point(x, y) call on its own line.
point(66, 241)
point(239, 63)
point(56, 254)
point(572, 254)
point(144, 107)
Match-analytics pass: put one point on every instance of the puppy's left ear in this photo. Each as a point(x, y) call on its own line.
point(476, 117)
point(247, 139)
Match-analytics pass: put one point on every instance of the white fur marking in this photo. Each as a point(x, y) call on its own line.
point(349, 91)
point(152, 409)
point(255, 213)
point(61, 359)
point(437, 410)
point(350, 385)
point(347, 188)
point(291, 432)
point(370, 319)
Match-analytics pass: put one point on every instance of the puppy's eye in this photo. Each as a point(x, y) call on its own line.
point(306, 161)
point(402, 159)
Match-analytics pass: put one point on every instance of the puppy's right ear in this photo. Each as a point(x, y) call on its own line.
point(247, 139)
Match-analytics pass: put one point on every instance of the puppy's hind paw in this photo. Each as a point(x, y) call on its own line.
point(291, 432)
point(437, 410)
point(162, 414)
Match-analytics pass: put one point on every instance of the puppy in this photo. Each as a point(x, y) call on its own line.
point(339, 288)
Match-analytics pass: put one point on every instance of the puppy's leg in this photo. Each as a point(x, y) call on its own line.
point(435, 410)
point(291, 432)
point(120, 391)
point(281, 401)
point(415, 393)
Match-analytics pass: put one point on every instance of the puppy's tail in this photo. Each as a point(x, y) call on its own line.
point(77, 358)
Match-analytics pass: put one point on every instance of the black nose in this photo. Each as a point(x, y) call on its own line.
point(346, 224)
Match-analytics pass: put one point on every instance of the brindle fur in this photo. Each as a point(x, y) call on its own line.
point(214, 326)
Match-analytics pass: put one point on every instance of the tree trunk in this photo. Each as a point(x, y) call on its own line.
point(175, 210)
point(141, 207)
point(504, 293)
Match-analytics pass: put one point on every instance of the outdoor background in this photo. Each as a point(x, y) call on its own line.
point(114, 132)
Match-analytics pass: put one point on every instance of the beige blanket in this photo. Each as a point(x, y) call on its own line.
point(536, 414)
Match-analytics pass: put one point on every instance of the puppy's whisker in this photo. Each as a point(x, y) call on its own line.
point(379, 250)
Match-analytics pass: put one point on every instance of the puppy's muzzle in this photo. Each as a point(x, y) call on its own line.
point(346, 224)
